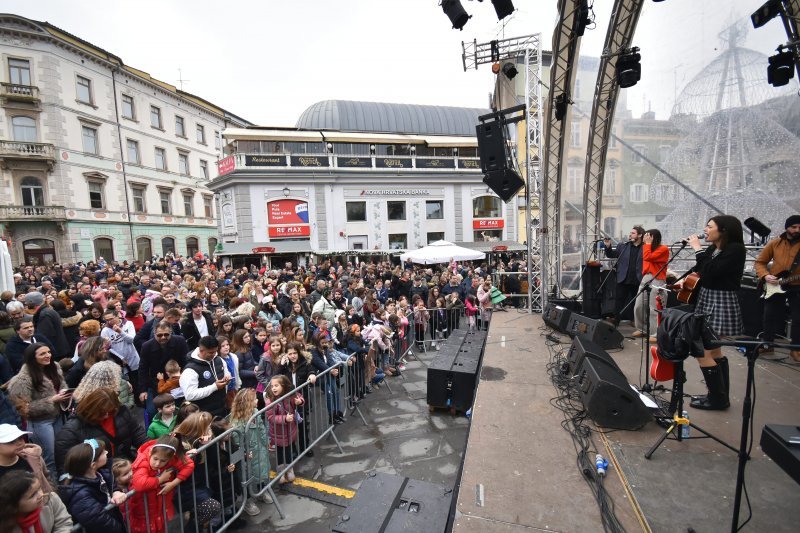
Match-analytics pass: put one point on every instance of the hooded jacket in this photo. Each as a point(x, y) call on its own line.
point(198, 381)
point(86, 500)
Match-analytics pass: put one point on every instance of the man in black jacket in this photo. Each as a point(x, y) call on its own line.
point(15, 347)
point(48, 323)
point(160, 312)
point(197, 324)
point(628, 271)
point(154, 356)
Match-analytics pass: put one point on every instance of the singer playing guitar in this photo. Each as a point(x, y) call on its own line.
point(784, 252)
point(720, 267)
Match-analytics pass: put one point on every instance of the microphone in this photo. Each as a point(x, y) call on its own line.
point(701, 235)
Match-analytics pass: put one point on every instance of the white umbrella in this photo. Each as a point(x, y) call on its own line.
point(6, 271)
point(441, 252)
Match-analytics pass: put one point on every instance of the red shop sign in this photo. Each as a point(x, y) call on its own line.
point(287, 212)
point(488, 224)
point(289, 231)
point(226, 165)
point(263, 250)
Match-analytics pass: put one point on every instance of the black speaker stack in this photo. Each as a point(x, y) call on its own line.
point(597, 331)
point(388, 503)
point(453, 373)
point(497, 174)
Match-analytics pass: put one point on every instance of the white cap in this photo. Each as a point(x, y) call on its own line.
point(10, 433)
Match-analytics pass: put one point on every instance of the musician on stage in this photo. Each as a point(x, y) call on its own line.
point(654, 257)
point(629, 271)
point(784, 252)
point(720, 267)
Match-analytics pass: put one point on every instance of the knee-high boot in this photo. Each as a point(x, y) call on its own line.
point(722, 363)
point(717, 398)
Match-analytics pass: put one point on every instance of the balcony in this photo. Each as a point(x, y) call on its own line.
point(16, 213)
point(15, 152)
point(19, 93)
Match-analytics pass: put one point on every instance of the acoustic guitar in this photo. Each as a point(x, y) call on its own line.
point(769, 290)
point(688, 292)
point(661, 369)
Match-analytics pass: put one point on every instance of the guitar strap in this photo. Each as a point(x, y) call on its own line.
point(795, 262)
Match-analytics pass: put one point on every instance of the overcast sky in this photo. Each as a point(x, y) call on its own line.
point(268, 60)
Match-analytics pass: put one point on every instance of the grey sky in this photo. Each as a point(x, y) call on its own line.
point(268, 60)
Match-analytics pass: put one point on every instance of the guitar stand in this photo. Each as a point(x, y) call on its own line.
point(678, 421)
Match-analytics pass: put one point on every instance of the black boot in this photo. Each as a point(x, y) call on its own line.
point(722, 363)
point(717, 398)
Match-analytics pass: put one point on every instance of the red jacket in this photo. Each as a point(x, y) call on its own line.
point(654, 260)
point(145, 483)
point(281, 432)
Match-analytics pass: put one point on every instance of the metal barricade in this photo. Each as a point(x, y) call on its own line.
point(428, 334)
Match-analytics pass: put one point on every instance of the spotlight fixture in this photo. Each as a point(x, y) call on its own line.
point(503, 8)
point(455, 12)
point(781, 68)
point(765, 13)
point(583, 18)
point(561, 106)
point(629, 70)
point(510, 70)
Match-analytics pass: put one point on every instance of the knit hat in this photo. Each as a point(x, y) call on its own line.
point(35, 299)
point(791, 221)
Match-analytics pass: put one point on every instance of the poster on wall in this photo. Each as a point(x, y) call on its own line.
point(288, 218)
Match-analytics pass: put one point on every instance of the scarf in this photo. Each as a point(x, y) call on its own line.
point(30, 521)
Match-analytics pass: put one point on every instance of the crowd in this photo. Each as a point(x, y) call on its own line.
point(112, 375)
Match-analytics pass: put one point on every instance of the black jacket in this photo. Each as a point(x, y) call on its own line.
point(723, 272)
point(304, 369)
point(153, 357)
point(85, 500)
point(15, 349)
point(48, 322)
point(190, 332)
point(148, 332)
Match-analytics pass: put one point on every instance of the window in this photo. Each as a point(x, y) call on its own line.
point(212, 245)
point(573, 179)
point(664, 152)
point(84, 90)
point(144, 249)
point(188, 204)
point(610, 226)
point(133, 151)
point(639, 150)
point(204, 169)
point(356, 211)
point(183, 163)
point(180, 130)
point(32, 192)
point(638, 193)
point(161, 159)
point(575, 134)
point(104, 247)
point(96, 195)
point(138, 194)
point(201, 134)
point(166, 201)
point(155, 117)
point(487, 207)
point(488, 234)
point(613, 143)
point(434, 209)
point(167, 246)
point(217, 140)
point(610, 179)
point(128, 107)
point(208, 207)
point(397, 241)
point(434, 236)
point(192, 246)
point(89, 139)
point(396, 210)
point(24, 129)
point(19, 71)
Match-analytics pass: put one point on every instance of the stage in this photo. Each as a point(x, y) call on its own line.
point(520, 470)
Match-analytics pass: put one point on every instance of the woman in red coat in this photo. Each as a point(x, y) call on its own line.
point(654, 257)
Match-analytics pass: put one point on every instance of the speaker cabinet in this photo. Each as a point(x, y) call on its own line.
point(505, 183)
point(581, 349)
point(556, 317)
point(607, 397)
point(598, 331)
point(491, 146)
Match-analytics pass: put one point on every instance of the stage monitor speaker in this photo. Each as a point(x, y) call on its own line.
point(581, 349)
point(607, 397)
point(598, 331)
point(556, 317)
point(491, 145)
point(505, 183)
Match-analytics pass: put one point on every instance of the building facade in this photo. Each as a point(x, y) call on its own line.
point(357, 176)
point(98, 158)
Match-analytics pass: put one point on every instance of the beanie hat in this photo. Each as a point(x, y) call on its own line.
point(791, 221)
point(34, 299)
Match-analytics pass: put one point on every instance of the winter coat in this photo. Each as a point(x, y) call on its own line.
point(247, 369)
point(257, 438)
point(191, 333)
point(40, 407)
point(264, 371)
point(129, 435)
point(283, 433)
point(48, 322)
point(15, 349)
point(301, 373)
point(157, 427)
point(5, 336)
point(86, 500)
point(70, 321)
point(154, 357)
point(145, 483)
point(54, 517)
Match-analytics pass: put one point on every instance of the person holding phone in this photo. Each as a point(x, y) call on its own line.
point(205, 378)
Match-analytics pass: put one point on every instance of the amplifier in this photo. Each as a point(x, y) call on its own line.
point(556, 317)
point(598, 331)
point(782, 445)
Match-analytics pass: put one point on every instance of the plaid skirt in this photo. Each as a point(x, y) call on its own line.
point(725, 315)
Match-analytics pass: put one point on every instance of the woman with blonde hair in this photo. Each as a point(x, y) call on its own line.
point(193, 433)
point(103, 374)
point(254, 431)
point(93, 350)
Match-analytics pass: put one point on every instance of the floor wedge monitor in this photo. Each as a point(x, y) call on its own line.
point(599, 332)
point(607, 397)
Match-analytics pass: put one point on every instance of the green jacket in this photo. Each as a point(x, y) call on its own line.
point(158, 428)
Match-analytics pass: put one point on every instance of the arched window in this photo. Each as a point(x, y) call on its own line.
point(104, 247)
point(24, 129)
point(144, 249)
point(192, 246)
point(212, 245)
point(487, 207)
point(167, 246)
point(32, 194)
point(39, 251)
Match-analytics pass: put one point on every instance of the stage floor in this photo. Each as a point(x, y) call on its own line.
point(520, 471)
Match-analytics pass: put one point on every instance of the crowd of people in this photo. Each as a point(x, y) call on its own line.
point(113, 374)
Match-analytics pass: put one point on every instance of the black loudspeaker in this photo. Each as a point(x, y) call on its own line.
point(491, 146)
point(556, 317)
point(598, 331)
point(607, 397)
point(581, 349)
point(505, 183)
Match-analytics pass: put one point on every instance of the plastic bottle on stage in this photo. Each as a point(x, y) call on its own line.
point(685, 427)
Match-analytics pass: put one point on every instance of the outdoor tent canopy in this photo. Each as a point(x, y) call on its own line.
point(441, 252)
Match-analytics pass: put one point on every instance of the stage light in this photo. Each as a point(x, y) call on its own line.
point(509, 70)
point(765, 13)
point(781, 68)
point(583, 18)
point(503, 8)
point(629, 70)
point(495, 68)
point(455, 12)
point(757, 227)
point(561, 106)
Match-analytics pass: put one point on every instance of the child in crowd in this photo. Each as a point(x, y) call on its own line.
point(186, 409)
point(379, 338)
point(16, 454)
point(472, 311)
point(232, 363)
point(255, 432)
point(421, 319)
point(24, 507)
point(193, 433)
point(164, 421)
point(87, 488)
point(122, 470)
point(172, 382)
point(160, 466)
point(296, 365)
point(283, 422)
point(267, 363)
point(440, 322)
point(227, 476)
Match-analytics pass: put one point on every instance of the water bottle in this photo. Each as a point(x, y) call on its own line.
point(685, 427)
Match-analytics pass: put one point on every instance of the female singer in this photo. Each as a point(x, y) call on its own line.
point(720, 267)
point(654, 257)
